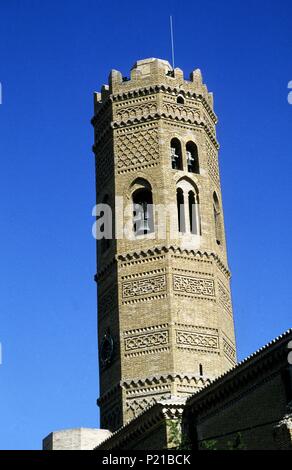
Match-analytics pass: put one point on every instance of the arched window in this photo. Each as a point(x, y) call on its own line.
point(217, 219)
point(188, 207)
point(143, 221)
point(192, 158)
point(180, 100)
point(105, 242)
point(176, 154)
point(194, 213)
point(180, 210)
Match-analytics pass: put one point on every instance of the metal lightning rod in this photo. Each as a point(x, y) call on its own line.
point(172, 42)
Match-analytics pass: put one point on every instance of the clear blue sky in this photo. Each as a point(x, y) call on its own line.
point(53, 55)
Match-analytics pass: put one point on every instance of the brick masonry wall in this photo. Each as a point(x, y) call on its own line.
point(171, 312)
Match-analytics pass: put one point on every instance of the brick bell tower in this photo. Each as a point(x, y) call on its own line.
point(165, 322)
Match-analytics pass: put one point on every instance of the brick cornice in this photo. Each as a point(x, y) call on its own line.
point(142, 424)
point(174, 249)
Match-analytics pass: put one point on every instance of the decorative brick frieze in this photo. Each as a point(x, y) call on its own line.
point(133, 113)
point(224, 298)
point(229, 350)
point(150, 340)
point(136, 148)
point(146, 287)
point(197, 340)
point(193, 286)
point(213, 167)
point(149, 91)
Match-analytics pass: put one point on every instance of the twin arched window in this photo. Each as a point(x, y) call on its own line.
point(191, 154)
point(188, 208)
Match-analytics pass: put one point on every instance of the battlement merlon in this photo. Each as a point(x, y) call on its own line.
point(152, 73)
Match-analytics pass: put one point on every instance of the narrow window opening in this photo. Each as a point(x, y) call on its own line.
point(201, 369)
point(180, 100)
point(180, 210)
point(217, 219)
point(143, 222)
point(194, 213)
point(192, 158)
point(104, 228)
point(176, 155)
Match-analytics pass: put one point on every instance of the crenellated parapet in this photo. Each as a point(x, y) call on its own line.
point(153, 72)
point(150, 77)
